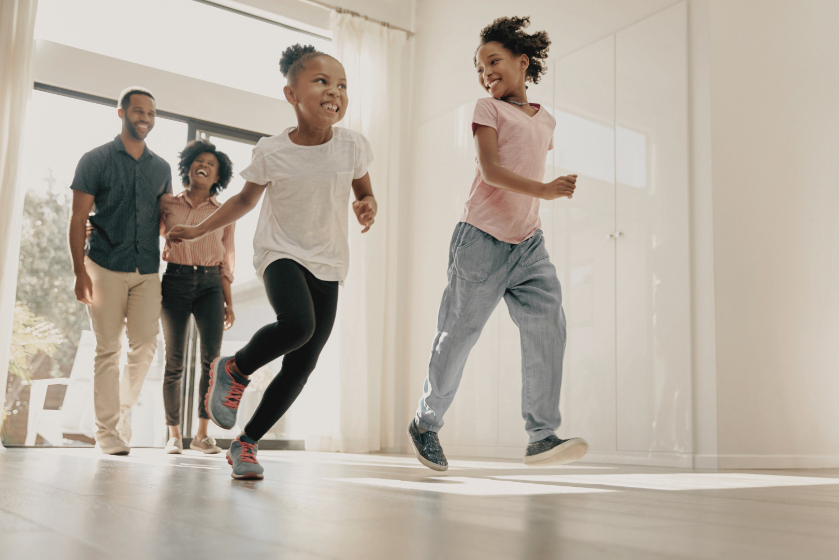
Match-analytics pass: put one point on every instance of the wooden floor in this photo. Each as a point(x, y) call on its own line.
point(75, 503)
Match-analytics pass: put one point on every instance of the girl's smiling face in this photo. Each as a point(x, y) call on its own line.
point(204, 170)
point(319, 94)
point(500, 72)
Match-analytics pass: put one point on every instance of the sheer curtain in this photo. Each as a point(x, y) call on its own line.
point(17, 25)
point(372, 56)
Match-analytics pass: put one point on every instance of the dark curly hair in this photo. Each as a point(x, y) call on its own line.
point(194, 149)
point(509, 31)
point(294, 59)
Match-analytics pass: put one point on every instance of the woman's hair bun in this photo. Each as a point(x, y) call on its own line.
point(294, 54)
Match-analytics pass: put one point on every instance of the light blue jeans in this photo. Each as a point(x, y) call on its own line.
point(482, 270)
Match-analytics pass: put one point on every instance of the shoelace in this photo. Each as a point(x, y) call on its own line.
point(247, 452)
point(234, 396)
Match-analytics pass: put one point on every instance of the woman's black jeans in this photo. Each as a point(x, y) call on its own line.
point(190, 290)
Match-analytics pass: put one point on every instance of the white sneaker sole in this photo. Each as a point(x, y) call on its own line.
point(423, 460)
point(173, 451)
point(210, 451)
point(117, 450)
point(572, 450)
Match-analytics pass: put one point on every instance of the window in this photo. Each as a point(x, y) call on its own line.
point(186, 37)
point(49, 392)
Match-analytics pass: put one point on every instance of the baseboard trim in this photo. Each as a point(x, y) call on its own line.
point(711, 462)
point(778, 461)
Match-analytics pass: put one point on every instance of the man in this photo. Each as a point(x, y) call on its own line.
point(117, 267)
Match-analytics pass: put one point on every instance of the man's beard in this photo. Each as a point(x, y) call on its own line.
point(131, 130)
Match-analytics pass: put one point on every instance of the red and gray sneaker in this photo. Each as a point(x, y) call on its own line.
point(242, 457)
point(225, 393)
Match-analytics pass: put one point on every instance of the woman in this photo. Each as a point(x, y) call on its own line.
point(197, 282)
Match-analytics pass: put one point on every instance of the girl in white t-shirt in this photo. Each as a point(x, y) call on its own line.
point(301, 250)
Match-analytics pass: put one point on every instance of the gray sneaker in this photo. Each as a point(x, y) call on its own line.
point(427, 447)
point(242, 457)
point(205, 445)
point(225, 393)
point(555, 451)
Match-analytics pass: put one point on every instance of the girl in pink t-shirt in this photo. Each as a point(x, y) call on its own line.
point(498, 251)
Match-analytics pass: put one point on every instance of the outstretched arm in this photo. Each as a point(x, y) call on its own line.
point(236, 206)
point(495, 174)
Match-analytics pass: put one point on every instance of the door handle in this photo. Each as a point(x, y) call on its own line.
point(615, 235)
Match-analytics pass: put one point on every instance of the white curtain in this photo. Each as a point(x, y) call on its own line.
point(372, 55)
point(17, 25)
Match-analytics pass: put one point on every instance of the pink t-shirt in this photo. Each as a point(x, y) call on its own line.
point(523, 145)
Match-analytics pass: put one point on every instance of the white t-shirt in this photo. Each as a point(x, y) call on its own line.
point(304, 214)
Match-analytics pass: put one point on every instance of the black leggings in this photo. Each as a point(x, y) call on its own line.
point(305, 308)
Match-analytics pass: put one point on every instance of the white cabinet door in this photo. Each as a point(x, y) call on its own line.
point(579, 241)
point(653, 304)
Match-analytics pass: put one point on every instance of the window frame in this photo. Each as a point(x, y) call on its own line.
point(194, 125)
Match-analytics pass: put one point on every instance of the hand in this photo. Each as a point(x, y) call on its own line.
point(183, 233)
point(88, 229)
point(559, 187)
point(365, 211)
point(229, 317)
point(84, 288)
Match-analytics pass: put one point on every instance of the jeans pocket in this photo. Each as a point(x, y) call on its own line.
point(478, 256)
point(536, 252)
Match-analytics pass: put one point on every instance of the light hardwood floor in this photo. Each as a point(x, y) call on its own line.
point(75, 503)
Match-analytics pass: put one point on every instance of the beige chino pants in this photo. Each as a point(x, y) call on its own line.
point(122, 301)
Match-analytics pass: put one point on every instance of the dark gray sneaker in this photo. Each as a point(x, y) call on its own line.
point(427, 447)
point(555, 451)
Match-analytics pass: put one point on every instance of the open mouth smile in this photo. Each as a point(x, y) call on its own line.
point(492, 83)
point(202, 172)
point(330, 107)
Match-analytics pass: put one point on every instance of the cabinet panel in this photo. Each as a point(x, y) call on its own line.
point(653, 305)
point(580, 246)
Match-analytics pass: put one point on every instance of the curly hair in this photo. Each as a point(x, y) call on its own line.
point(194, 149)
point(509, 31)
point(294, 59)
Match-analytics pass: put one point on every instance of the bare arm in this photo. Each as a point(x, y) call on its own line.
point(235, 207)
point(82, 204)
point(365, 205)
point(495, 174)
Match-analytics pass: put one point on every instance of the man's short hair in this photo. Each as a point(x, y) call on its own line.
point(125, 96)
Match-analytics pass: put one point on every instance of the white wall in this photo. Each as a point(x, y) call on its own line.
point(447, 36)
point(774, 84)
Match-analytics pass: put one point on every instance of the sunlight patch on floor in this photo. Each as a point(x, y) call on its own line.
point(676, 481)
point(466, 486)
